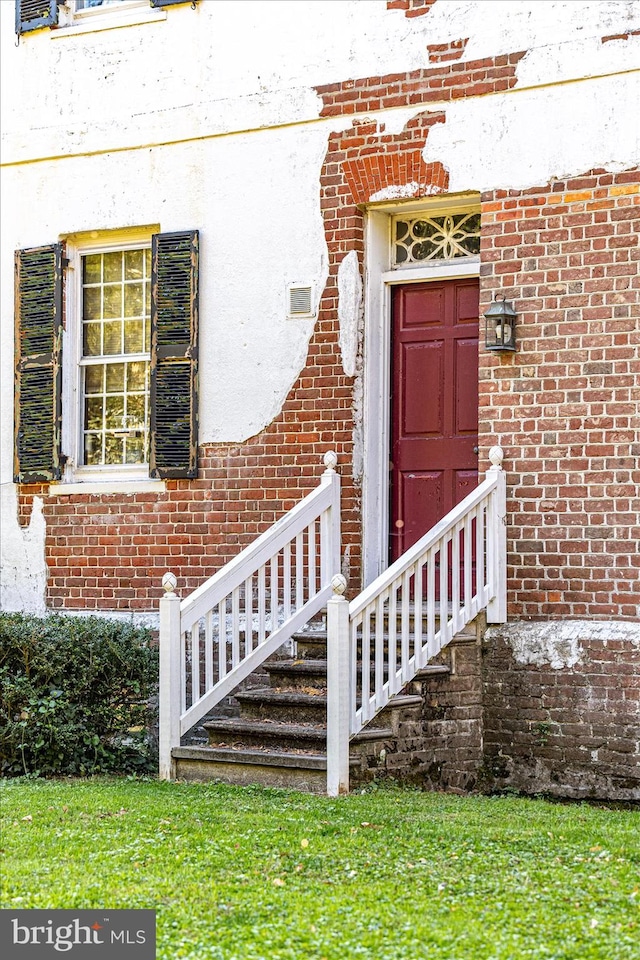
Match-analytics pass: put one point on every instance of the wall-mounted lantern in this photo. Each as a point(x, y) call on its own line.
point(500, 330)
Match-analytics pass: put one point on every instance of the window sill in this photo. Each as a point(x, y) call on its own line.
point(92, 487)
point(110, 21)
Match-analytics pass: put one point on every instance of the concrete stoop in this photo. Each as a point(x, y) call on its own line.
point(279, 737)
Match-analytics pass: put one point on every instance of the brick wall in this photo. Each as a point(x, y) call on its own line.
point(563, 721)
point(565, 405)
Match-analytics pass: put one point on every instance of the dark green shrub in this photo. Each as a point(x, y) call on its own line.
point(75, 695)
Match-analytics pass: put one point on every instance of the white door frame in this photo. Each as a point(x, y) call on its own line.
point(379, 278)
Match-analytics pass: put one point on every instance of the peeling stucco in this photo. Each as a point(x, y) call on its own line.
point(559, 644)
point(554, 132)
point(24, 569)
point(349, 310)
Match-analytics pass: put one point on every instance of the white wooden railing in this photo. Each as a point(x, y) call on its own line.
point(377, 643)
point(213, 639)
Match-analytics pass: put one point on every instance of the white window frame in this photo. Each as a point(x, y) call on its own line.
point(73, 21)
point(72, 392)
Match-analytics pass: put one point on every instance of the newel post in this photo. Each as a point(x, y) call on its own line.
point(330, 521)
point(169, 693)
point(497, 540)
point(338, 689)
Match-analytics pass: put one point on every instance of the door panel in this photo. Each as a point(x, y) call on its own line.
point(422, 363)
point(434, 404)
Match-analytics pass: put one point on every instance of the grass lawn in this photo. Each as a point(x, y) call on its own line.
point(390, 874)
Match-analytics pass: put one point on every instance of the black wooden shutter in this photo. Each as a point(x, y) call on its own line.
point(174, 355)
point(34, 14)
point(38, 394)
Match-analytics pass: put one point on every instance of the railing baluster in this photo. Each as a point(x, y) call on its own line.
point(235, 627)
point(274, 591)
point(480, 558)
point(195, 662)
point(208, 651)
point(183, 671)
point(468, 565)
point(378, 621)
point(248, 615)
point(405, 623)
point(392, 628)
point(444, 592)
point(354, 724)
point(417, 615)
point(311, 560)
point(262, 603)
point(366, 668)
point(222, 639)
point(455, 578)
point(432, 650)
point(286, 580)
point(299, 571)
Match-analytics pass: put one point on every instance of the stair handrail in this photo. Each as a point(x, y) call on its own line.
point(289, 567)
point(470, 542)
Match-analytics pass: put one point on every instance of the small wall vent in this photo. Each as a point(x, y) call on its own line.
point(300, 301)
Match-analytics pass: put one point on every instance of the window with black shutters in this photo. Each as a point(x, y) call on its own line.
point(36, 14)
point(130, 359)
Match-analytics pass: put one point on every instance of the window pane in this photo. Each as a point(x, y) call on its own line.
point(114, 412)
point(93, 413)
point(113, 449)
point(93, 379)
point(92, 448)
point(112, 266)
point(133, 336)
point(91, 343)
point(133, 300)
point(133, 264)
point(134, 449)
point(113, 301)
point(115, 377)
point(135, 412)
point(113, 337)
point(93, 268)
point(91, 303)
point(136, 376)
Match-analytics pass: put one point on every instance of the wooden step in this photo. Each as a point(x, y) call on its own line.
point(279, 734)
point(290, 705)
point(297, 673)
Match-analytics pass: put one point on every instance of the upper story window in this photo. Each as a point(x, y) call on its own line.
point(435, 238)
point(80, 16)
point(89, 6)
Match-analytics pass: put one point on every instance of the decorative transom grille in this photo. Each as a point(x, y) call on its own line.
point(436, 238)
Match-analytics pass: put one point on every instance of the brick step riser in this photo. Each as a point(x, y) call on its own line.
point(247, 775)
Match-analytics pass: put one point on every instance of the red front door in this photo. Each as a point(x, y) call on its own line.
point(434, 404)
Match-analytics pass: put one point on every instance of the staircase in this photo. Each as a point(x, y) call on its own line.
point(329, 716)
point(279, 738)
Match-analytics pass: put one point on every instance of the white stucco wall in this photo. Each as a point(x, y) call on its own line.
point(209, 119)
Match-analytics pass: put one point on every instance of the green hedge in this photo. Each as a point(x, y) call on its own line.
point(78, 695)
